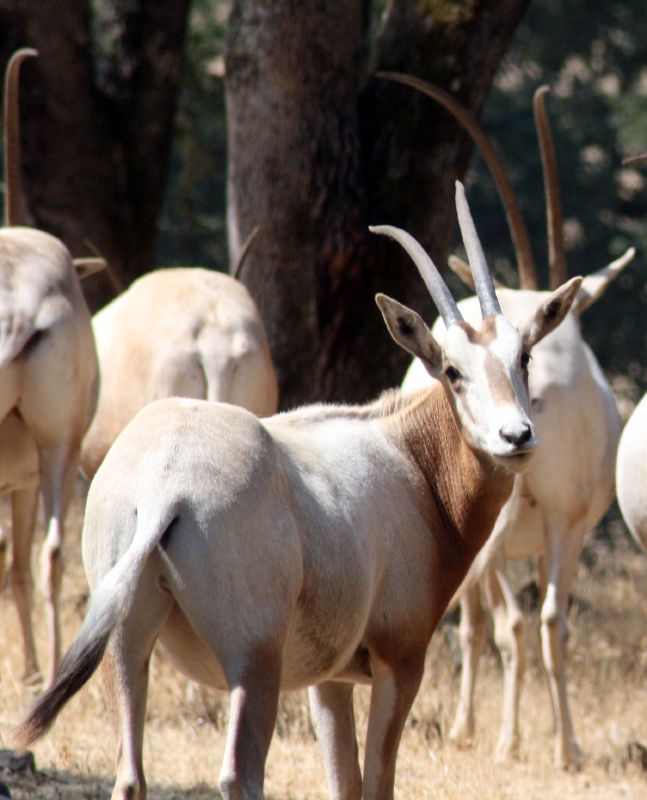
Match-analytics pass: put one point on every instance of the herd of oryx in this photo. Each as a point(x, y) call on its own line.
point(315, 548)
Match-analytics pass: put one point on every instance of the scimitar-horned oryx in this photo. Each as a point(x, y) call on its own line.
point(48, 373)
point(183, 332)
point(569, 485)
point(631, 464)
point(313, 548)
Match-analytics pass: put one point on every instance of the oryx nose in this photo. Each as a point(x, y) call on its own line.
point(517, 435)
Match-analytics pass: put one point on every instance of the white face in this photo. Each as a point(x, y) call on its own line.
point(485, 372)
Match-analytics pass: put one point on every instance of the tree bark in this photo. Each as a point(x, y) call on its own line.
point(319, 148)
point(98, 124)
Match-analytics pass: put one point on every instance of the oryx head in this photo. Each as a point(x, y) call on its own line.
point(484, 371)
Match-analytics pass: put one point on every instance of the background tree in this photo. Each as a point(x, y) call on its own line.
point(98, 109)
point(402, 158)
point(318, 149)
point(595, 60)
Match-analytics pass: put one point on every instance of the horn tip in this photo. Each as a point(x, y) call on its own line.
point(24, 52)
point(383, 230)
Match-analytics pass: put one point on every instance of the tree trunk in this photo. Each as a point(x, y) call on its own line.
point(319, 148)
point(98, 124)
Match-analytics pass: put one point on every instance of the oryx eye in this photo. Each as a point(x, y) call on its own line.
point(525, 359)
point(453, 374)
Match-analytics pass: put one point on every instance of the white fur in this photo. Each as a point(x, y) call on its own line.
point(555, 503)
point(315, 548)
point(47, 397)
point(631, 473)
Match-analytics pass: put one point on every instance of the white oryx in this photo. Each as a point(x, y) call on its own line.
point(631, 473)
point(313, 548)
point(48, 373)
point(186, 332)
point(570, 483)
point(631, 464)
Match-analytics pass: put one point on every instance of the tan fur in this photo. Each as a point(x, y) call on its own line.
point(186, 332)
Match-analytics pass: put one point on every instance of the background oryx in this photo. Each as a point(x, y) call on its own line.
point(631, 465)
point(186, 332)
point(48, 372)
point(569, 485)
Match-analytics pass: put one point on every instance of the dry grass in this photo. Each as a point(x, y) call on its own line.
point(185, 729)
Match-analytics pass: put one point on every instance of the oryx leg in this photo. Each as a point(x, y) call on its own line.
point(393, 691)
point(125, 672)
point(508, 636)
point(562, 553)
point(58, 469)
point(333, 718)
point(24, 505)
point(253, 707)
point(471, 635)
point(251, 662)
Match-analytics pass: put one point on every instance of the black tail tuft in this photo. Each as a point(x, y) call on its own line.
point(77, 667)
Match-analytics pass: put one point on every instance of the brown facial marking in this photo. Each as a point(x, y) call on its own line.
point(500, 385)
point(484, 335)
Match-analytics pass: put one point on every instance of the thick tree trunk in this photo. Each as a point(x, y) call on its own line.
point(98, 125)
point(293, 77)
point(319, 148)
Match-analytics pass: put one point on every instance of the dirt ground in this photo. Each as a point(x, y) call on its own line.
point(185, 728)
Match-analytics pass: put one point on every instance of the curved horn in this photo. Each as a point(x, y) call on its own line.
point(13, 214)
point(631, 160)
point(518, 231)
point(462, 270)
point(116, 282)
point(87, 266)
point(554, 214)
point(483, 285)
point(247, 246)
point(434, 282)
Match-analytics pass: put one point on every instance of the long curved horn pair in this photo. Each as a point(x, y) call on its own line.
point(518, 230)
point(437, 287)
point(13, 214)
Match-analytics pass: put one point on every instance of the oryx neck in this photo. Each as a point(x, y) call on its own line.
point(464, 490)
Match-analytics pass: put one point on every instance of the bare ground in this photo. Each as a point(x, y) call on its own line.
point(185, 730)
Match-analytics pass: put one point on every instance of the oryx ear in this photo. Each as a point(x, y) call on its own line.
point(595, 285)
point(550, 312)
point(409, 331)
